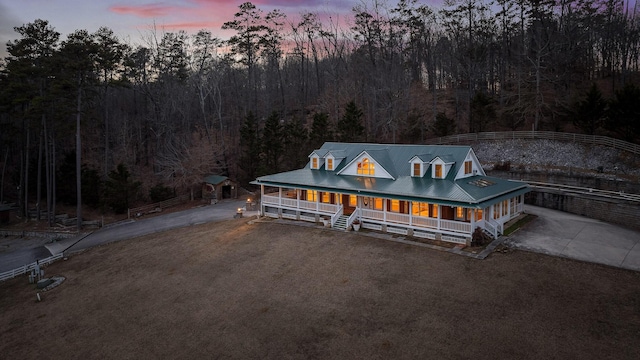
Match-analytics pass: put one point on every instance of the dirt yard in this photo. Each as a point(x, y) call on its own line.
point(274, 291)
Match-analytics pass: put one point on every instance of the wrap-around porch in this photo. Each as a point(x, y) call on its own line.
point(447, 222)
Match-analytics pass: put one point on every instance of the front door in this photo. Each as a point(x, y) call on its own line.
point(347, 209)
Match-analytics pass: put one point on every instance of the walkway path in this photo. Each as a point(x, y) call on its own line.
point(562, 234)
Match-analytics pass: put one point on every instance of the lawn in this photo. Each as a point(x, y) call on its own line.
point(275, 291)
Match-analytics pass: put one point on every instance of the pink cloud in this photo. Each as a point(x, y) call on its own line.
point(146, 11)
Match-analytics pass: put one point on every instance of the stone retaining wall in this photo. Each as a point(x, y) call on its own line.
point(626, 213)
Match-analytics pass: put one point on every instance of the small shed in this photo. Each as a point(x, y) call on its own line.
point(218, 187)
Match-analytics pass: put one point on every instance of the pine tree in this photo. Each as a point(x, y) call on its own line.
point(321, 131)
point(350, 127)
point(271, 144)
point(250, 147)
point(589, 112)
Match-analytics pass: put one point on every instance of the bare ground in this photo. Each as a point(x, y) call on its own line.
point(275, 291)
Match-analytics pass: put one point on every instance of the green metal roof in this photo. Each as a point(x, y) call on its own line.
point(215, 179)
point(395, 160)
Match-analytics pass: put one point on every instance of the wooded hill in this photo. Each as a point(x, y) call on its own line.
point(162, 114)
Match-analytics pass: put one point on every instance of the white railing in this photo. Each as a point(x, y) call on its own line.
point(266, 199)
point(328, 208)
point(456, 226)
point(499, 227)
point(335, 216)
point(425, 222)
point(26, 268)
point(372, 214)
point(491, 229)
point(354, 215)
point(308, 205)
point(398, 218)
point(289, 202)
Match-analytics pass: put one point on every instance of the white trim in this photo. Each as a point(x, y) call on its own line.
point(352, 167)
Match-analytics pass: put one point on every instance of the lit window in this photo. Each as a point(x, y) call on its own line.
point(314, 163)
point(420, 209)
point(329, 164)
point(468, 167)
point(312, 195)
point(353, 200)
point(365, 167)
point(438, 170)
point(416, 169)
point(377, 204)
point(395, 206)
point(326, 197)
point(505, 207)
point(459, 212)
point(434, 211)
point(478, 215)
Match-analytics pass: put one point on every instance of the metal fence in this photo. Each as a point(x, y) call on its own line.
point(548, 135)
point(26, 268)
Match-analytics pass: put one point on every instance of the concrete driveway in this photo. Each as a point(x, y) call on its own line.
point(562, 234)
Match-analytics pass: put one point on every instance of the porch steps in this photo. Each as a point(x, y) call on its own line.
point(341, 223)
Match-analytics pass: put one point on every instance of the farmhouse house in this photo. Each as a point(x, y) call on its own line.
point(429, 191)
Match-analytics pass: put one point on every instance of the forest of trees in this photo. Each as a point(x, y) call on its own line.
point(165, 113)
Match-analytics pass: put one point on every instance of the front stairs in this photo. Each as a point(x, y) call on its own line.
point(341, 223)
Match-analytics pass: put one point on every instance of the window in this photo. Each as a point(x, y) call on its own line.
point(314, 163)
point(416, 169)
point(395, 206)
point(326, 197)
point(496, 211)
point(478, 215)
point(365, 167)
point(353, 200)
point(439, 170)
point(434, 211)
point(505, 207)
point(420, 209)
point(460, 212)
point(329, 164)
point(378, 204)
point(468, 167)
point(312, 195)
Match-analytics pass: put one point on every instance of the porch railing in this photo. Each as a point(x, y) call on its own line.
point(335, 216)
point(300, 204)
point(491, 229)
point(354, 215)
point(456, 226)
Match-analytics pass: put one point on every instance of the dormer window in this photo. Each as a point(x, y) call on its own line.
point(314, 162)
point(417, 171)
point(438, 173)
point(329, 164)
point(468, 167)
point(366, 167)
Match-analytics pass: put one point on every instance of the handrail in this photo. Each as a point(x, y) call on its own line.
point(548, 135)
point(335, 216)
point(352, 217)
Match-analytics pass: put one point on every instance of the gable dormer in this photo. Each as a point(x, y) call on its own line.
point(316, 159)
point(440, 167)
point(418, 167)
point(333, 159)
point(366, 165)
point(470, 167)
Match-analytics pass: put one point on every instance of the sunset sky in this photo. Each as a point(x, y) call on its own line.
point(132, 19)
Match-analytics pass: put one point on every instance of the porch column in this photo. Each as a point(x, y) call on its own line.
point(473, 219)
point(384, 210)
point(410, 213)
point(439, 215)
point(298, 198)
point(279, 196)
